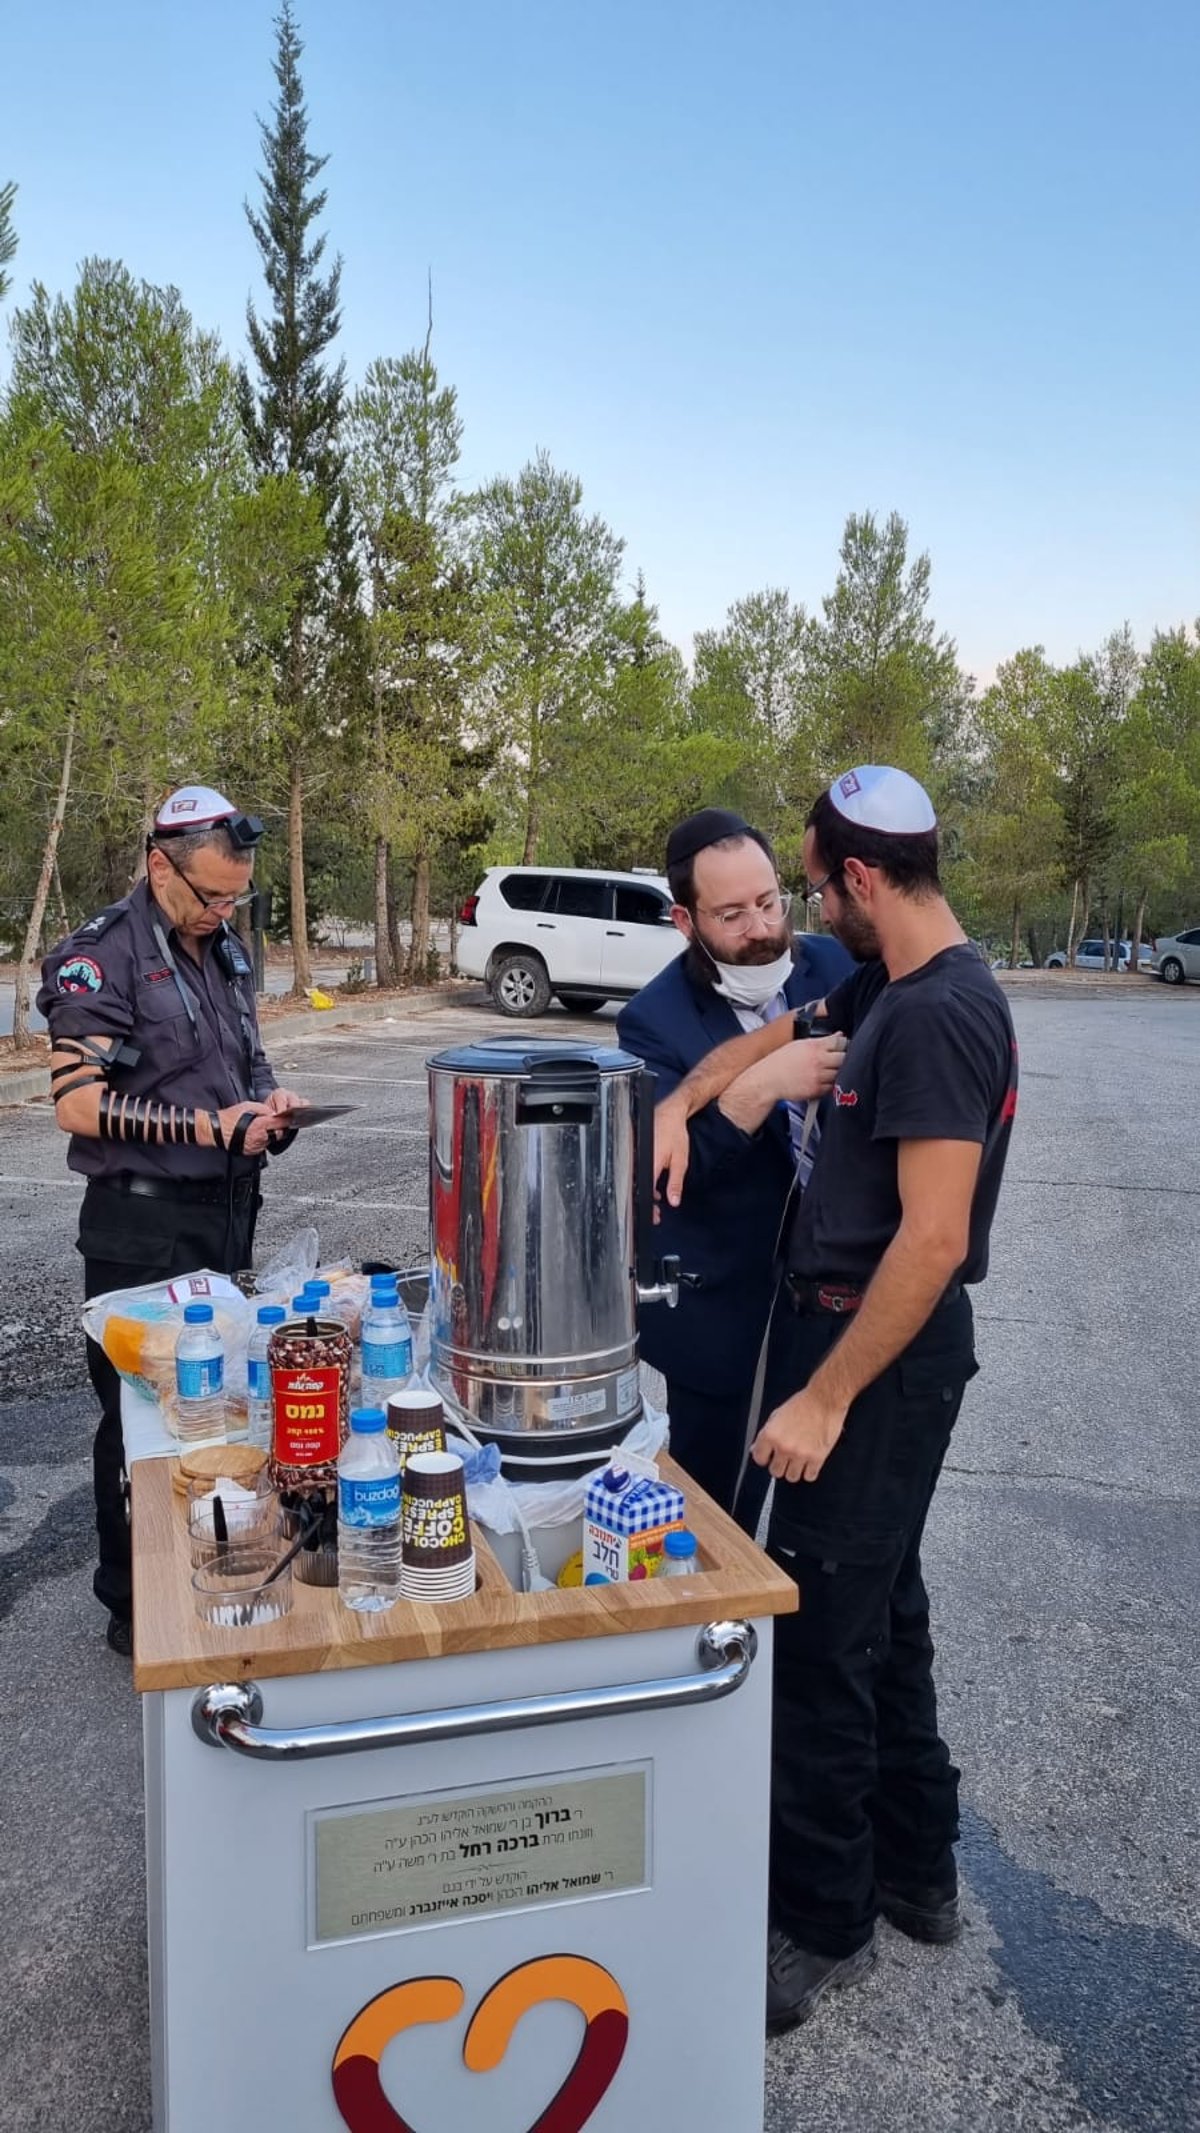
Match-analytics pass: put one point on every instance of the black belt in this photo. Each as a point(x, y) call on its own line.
point(841, 1297)
point(186, 1192)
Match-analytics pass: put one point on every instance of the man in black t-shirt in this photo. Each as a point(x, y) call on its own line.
point(864, 1811)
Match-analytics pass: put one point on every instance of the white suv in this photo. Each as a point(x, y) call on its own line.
point(535, 932)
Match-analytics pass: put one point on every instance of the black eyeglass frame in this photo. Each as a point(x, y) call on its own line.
point(203, 896)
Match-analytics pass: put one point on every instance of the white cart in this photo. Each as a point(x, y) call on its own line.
point(496, 1867)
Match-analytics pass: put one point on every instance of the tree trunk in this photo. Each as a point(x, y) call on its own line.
point(384, 970)
point(453, 934)
point(1139, 920)
point(1014, 946)
point(64, 923)
point(41, 893)
point(1081, 883)
point(1118, 929)
point(393, 929)
point(533, 798)
point(418, 953)
point(1109, 960)
point(301, 960)
point(1035, 947)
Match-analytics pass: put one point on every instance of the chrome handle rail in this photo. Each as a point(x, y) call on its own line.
point(228, 1714)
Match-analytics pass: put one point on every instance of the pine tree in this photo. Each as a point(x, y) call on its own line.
point(292, 422)
point(8, 237)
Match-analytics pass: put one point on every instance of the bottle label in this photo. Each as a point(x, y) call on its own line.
point(369, 1501)
point(199, 1377)
point(258, 1377)
point(387, 1359)
point(306, 1406)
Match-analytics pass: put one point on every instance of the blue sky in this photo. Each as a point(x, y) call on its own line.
point(743, 270)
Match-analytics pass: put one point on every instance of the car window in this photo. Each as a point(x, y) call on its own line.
point(640, 907)
point(1190, 939)
point(525, 892)
point(1091, 947)
point(575, 898)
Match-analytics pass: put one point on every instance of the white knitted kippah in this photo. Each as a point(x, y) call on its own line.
point(879, 798)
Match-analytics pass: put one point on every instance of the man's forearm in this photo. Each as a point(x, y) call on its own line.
point(712, 1075)
point(749, 1100)
point(906, 1286)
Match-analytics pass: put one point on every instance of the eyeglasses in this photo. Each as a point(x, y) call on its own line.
point(738, 920)
point(813, 889)
point(210, 903)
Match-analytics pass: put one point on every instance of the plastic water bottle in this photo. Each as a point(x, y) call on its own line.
point(259, 1414)
point(680, 1559)
point(200, 1377)
point(387, 1347)
point(369, 1514)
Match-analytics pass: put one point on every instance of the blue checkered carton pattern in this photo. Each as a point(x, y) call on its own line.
point(624, 1529)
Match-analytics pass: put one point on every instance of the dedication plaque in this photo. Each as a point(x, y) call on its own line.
point(471, 1854)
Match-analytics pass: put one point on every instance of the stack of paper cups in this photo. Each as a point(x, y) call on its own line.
point(416, 1422)
point(438, 1556)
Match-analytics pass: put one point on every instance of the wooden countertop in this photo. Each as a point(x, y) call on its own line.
point(173, 1649)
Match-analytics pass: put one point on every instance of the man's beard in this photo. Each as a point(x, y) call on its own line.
point(856, 933)
point(764, 950)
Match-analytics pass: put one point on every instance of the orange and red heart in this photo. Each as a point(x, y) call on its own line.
point(358, 2089)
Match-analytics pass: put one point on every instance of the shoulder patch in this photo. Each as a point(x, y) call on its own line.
point(80, 973)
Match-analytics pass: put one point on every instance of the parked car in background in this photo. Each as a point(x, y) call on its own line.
point(1090, 956)
point(1176, 957)
point(536, 933)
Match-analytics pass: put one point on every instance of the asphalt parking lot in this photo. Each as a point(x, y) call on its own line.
point(1063, 1559)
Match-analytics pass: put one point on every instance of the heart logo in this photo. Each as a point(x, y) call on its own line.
point(358, 2090)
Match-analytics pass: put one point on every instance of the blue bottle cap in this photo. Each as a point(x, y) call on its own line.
point(367, 1420)
point(304, 1305)
point(197, 1314)
point(318, 1288)
point(680, 1542)
point(271, 1314)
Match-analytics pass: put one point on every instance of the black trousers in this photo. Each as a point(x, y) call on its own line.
point(126, 1242)
point(708, 1432)
point(863, 1788)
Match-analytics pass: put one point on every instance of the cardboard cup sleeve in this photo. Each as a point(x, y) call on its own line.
point(416, 1422)
point(434, 1527)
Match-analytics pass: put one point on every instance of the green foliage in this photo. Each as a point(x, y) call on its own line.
point(549, 576)
point(8, 237)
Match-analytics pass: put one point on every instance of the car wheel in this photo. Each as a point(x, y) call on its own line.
point(1056, 962)
point(580, 1003)
point(519, 985)
point(1171, 970)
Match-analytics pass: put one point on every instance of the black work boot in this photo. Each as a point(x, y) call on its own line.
point(119, 1635)
point(797, 1980)
point(928, 1914)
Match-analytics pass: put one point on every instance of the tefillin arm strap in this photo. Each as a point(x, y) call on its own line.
point(87, 1062)
point(146, 1122)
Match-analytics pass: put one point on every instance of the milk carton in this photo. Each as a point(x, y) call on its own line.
point(627, 1512)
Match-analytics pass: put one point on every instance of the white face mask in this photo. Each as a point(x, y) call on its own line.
point(752, 984)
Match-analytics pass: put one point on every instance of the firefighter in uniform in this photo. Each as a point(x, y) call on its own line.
point(159, 1076)
point(893, 1227)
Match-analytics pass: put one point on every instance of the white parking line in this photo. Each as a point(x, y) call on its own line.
point(374, 1081)
point(56, 1184)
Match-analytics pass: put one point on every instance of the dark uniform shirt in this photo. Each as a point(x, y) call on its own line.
point(931, 1056)
point(111, 978)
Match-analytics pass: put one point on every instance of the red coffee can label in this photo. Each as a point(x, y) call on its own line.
point(307, 1407)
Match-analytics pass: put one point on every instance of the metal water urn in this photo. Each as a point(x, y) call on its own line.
point(542, 1240)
